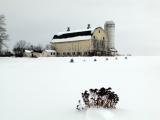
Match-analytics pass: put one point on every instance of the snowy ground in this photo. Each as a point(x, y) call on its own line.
point(48, 88)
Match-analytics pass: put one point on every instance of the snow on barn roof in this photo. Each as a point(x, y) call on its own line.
point(75, 35)
point(78, 38)
point(49, 51)
point(76, 31)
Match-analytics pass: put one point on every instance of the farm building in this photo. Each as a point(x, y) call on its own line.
point(44, 53)
point(28, 53)
point(87, 42)
point(49, 53)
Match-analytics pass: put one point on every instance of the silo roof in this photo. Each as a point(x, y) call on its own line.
point(109, 22)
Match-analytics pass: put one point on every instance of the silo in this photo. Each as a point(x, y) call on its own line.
point(109, 28)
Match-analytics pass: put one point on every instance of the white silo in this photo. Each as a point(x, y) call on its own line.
point(109, 28)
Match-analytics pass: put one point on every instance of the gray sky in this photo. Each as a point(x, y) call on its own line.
point(36, 21)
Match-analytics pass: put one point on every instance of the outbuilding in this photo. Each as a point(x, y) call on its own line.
point(49, 53)
point(28, 53)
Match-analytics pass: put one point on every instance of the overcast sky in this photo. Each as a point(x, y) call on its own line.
point(36, 21)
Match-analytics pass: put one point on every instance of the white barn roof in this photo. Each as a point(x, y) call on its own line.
point(78, 38)
point(76, 35)
point(75, 31)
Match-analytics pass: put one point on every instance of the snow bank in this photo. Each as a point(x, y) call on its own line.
point(49, 88)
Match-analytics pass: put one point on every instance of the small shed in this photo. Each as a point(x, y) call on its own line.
point(49, 53)
point(28, 53)
point(36, 54)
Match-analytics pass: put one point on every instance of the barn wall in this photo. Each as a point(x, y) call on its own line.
point(72, 48)
point(100, 36)
point(99, 33)
point(48, 54)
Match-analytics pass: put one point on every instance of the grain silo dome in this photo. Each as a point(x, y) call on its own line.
point(109, 23)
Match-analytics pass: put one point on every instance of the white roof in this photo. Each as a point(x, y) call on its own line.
point(78, 30)
point(78, 38)
point(28, 51)
point(50, 51)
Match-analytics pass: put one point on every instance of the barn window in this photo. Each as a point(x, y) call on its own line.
point(64, 54)
point(73, 53)
point(85, 53)
point(68, 53)
point(79, 53)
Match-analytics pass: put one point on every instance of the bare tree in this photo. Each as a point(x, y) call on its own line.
point(3, 34)
point(29, 46)
point(38, 48)
point(19, 48)
point(48, 47)
point(35, 48)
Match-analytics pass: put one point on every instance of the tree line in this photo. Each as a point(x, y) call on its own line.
point(20, 47)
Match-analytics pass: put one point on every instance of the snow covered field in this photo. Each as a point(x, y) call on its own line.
point(49, 88)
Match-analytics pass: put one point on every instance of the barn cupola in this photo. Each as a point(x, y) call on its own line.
point(68, 29)
point(88, 26)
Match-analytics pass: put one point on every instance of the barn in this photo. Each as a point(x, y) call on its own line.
point(87, 42)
